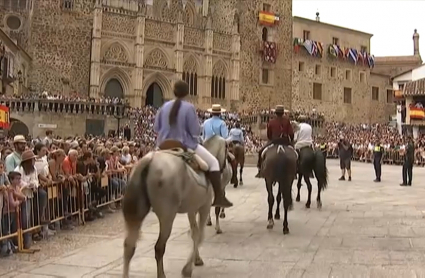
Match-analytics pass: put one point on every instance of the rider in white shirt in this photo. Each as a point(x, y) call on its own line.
point(304, 135)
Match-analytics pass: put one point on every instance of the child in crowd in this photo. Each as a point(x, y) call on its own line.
point(12, 200)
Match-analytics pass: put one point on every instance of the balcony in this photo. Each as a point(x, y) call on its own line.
point(65, 106)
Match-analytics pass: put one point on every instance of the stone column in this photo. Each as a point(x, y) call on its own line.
point(179, 46)
point(209, 37)
point(95, 51)
point(138, 97)
point(235, 64)
point(205, 7)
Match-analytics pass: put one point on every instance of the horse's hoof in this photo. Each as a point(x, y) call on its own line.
point(307, 206)
point(240, 183)
point(270, 226)
point(291, 207)
point(218, 231)
point(235, 186)
point(277, 217)
point(199, 262)
point(298, 199)
point(187, 271)
point(319, 205)
point(285, 231)
point(209, 223)
point(222, 215)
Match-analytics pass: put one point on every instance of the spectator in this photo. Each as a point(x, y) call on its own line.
point(345, 154)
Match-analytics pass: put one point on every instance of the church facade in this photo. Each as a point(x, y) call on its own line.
point(137, 49)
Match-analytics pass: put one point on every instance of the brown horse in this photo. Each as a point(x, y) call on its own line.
point(238, 150)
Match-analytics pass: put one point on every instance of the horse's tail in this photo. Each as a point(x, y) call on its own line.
point(136, 198)
point(320, 170)
point(280, 171)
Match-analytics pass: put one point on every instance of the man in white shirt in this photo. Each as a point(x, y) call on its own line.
point(304, 135)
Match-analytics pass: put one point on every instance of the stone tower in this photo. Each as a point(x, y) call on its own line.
point(416, 43)
point(254, 94)
point(15, 20)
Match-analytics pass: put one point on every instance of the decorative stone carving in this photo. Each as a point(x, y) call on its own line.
point(156, 59)
point(222, 42)
point(118, 23)
point(219, 69)
point(159, 30)
point(190, 65)
point(188, 15)
point(116, 53)
point(194, 37)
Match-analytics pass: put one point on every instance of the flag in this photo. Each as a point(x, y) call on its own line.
point(352, 54)
point(268, 19)
point(320, 49)
point(371, 61)
point(417, 113)
point(332, 51)
point(4, 116)
point(360, 58)
point(308, 44)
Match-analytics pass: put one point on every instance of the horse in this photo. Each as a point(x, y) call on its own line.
point(279, 166)
point(169, 181)
point(238, 151)
point(312, 161)
point(216, 145)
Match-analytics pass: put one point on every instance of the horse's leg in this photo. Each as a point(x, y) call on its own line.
point(241, 171)
point(309, 187)
point(287, 202)
point(209, 222)
point(278, 200)
point(234, 179)
point(300, 176)
point(269, 186)
point(203, 215)
point(217, 221)
point(166, 221)
point(133, 229)
point(318, 199)
point(194, 228)
point(222, 214)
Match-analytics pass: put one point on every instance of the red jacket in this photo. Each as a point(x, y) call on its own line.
point(279, 127)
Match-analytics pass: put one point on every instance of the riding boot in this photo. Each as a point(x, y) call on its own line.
point(219, 199)
point(259, 166)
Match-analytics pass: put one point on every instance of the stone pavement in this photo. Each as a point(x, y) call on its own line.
point(363, 230)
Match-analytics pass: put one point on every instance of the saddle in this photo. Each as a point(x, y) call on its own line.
point(193, 160)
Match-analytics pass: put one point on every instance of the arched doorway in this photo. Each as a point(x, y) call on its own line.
point(113, 89)
point(18, 128)
point(154, 96)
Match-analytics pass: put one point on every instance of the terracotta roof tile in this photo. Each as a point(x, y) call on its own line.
point(415, 88)
point(398, 59)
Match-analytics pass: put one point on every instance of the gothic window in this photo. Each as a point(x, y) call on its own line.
point(190, 76)
point(192, 80)
point(67, 4)
point(218, 81)
point(114, 89)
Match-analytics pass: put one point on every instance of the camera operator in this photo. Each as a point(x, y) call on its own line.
point(345, 150)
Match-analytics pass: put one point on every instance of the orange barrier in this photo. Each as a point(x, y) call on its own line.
point(57, 204)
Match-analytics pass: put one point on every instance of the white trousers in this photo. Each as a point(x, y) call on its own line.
point(208, 158)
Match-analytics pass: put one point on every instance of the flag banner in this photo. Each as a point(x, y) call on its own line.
point(4, 116)
point(268, 19)
point(417, 113)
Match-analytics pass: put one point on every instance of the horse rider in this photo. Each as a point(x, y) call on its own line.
point(279, 131)
point(236, 135)
point(215, 125)
point(304, 136)
point(177, 120)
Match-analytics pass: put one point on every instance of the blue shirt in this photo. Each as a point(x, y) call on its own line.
point(215, 126)
point(186, 130)
point(236, 134)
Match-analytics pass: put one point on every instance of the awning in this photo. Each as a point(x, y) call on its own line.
point(415, 88)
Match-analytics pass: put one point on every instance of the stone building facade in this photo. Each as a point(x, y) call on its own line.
point(338, 87)
point(137, 48)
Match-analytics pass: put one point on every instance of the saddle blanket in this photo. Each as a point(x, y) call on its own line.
point(280, 149)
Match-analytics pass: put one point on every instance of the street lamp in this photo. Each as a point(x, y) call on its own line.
point(20, 81)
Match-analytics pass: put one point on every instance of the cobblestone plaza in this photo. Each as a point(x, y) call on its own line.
point(363, 230)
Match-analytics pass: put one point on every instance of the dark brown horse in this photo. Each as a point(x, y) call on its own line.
point(238, 150)
point(279, 166)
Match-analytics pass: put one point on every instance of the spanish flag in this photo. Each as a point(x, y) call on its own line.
point(4, 116)
point(417, 113)
point(268, 19)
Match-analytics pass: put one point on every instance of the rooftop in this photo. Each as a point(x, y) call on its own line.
point(415, 88)
point(313, 21)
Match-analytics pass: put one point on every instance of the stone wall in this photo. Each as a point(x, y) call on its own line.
point(60, 46)
point(67, 124)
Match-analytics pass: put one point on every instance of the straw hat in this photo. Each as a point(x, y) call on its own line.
point(302, 117)
point(279, 109)
point(27, 155)
point(216, 108)
point(19, 139)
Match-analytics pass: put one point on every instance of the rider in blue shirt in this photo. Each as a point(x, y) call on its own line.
point(215, 125)
point(236, 135)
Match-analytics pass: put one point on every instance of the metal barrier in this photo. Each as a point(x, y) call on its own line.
point(57, 204)
point(391, 156)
